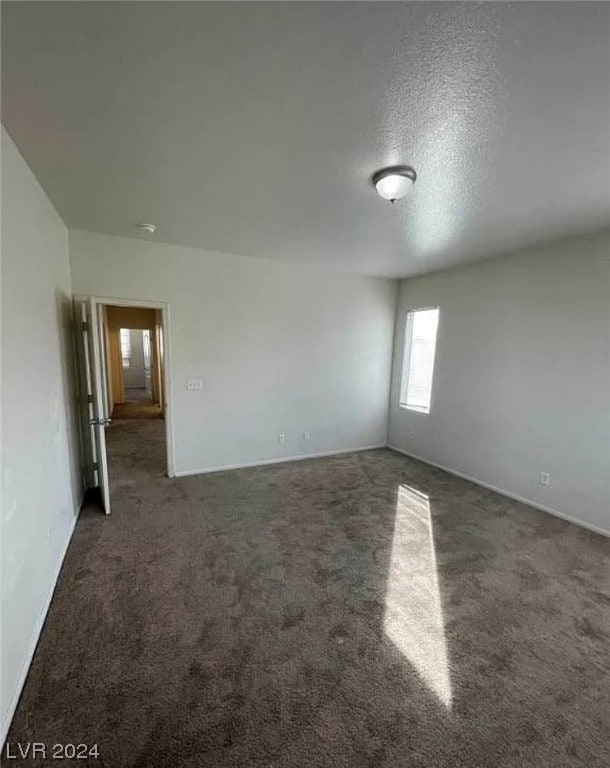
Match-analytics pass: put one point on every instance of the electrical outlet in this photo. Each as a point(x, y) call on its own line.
point(306, 435)
point(194, 384)
point(281, 437)
point(545, 478)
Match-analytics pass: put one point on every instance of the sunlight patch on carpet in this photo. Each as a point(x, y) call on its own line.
point(414, 616)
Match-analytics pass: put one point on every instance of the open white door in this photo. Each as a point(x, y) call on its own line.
point(92, 408)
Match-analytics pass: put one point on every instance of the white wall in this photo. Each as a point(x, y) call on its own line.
point(40, 449)
point(522, 375)
point(282, 347)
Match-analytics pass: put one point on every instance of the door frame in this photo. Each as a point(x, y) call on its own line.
point(168, 401)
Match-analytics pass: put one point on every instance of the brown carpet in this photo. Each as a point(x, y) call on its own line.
point(349, 612)
point(137, 410)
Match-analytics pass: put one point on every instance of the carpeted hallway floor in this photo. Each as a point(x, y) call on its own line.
point(138, 405)
point(349, 612)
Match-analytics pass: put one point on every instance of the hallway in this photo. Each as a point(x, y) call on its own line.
point(138, 404)
point(137, 410)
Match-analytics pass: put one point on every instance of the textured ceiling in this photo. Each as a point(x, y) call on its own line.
point(254, 128)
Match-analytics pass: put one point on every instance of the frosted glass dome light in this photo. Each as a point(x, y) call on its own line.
point(394, 183)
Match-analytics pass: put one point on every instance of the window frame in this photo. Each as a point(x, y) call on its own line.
point(406, 357)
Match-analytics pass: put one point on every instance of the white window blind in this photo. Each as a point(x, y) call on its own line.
point(418, 359)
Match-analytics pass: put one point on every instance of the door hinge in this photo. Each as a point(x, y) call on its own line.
point(95, 466)
point(89, 398)
point(85, 325)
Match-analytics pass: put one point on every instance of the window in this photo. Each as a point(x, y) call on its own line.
point(125, 347)
point(418, 359)
point(147, 350)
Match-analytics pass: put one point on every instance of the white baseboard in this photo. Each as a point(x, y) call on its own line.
point(502, 492)
point(282, 460)
point(31, 649)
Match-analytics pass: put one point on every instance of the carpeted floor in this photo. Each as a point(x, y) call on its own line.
point(137, 410)
point(349, 612)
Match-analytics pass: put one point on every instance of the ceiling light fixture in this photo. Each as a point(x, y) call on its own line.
point(395, 182)
point(150, 228)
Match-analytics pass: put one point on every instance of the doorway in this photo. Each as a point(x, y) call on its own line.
point(124, 392)
point(133, 342)
point(137, 368)
point(134, 362)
